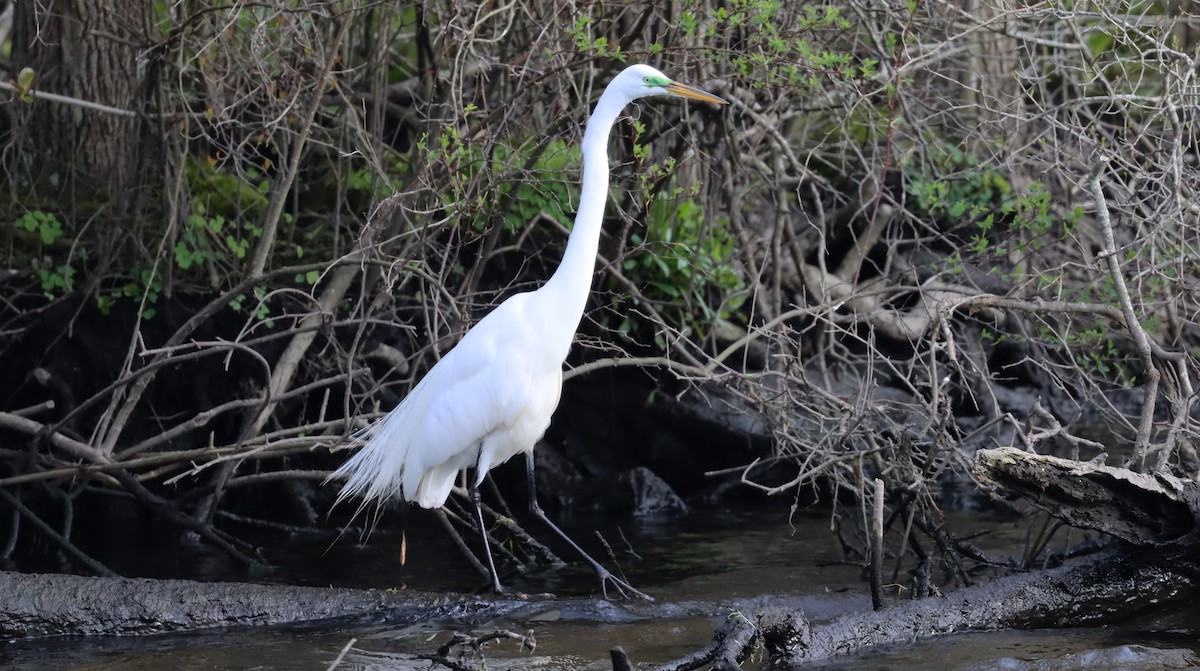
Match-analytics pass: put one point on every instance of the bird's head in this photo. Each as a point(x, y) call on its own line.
point(640, 81)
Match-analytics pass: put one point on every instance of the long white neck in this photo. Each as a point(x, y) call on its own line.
point(571, 283)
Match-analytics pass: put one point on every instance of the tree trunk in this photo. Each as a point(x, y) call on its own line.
point(88, 52)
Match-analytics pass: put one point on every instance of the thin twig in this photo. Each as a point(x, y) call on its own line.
point(341, 655)
point(1140, 339)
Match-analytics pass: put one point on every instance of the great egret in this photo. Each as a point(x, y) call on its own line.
point(492, 396)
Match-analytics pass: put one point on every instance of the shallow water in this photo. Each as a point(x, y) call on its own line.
point(698, 569)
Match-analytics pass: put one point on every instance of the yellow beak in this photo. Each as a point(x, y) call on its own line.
point(685, 91)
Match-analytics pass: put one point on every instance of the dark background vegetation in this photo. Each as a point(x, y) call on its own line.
point(228, 228)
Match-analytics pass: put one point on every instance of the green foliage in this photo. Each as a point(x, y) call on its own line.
point(45, 224)
point(549, 194)
point(960, 189)
point(210, 240)
point(218, 190)
point(596, 46)
point(25, 81)
point(262, 310)
point(310, 278)
point(683, 266)
point(55, 278)
point(143, 281)
point(522, 185)
point(1095, 352)
point(775, 41)
point(956, 186)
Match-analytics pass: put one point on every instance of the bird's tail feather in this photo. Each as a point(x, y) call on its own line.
point(376, 472)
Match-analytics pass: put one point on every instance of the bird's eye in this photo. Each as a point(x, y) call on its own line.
point(646, 79)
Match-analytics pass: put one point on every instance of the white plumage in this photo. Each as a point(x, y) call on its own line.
point(490, 398)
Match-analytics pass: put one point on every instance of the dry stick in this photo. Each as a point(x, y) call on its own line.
point(282, 373)
point(877, 548)
point(33, 428)
point(289, 361)
point(204, 454)
point(1146, 421)
point(284, 185)
point(37, 409)
point(67, 100)
point(14, 534)
point(95, 566)
point(204, 417)
point(140, 379)
point(500, 550)
point(535, 547)
point(728, 643)
point(688, 369)
point(345, 649)
point(99, 464)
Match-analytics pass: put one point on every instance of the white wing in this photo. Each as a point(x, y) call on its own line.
point(495, 391)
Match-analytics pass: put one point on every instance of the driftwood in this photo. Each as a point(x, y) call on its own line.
point(1108, 588)
point(1112, 588)
point(52, 605)
point(1140, 508)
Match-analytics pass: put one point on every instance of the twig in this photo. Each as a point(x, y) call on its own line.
point(70, 445)
point(1141, 340)
point(67, 100)
point(461, 544)
point(727, 645)
point(37, 409)
point(283, 185)
point(341, 655)
point(162, 508)
point(877, 547)
point(122, 405)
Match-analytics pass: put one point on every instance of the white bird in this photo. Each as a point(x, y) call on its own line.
point(491, 397)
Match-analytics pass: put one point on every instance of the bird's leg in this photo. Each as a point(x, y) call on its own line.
point(606, 576)
point(473, 490)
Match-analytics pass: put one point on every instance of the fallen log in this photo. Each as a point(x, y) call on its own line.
point(1146, 509)
point(1109, 588)
point(53, 605)
point(1112, 588)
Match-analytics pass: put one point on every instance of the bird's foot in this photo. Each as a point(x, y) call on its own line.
point(622, 587)
point(510, 593)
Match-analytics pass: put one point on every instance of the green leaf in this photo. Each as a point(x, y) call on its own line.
point(25, 80)
point(183, 256)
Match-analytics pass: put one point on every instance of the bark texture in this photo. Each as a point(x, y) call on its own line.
point(87, 51)
point(1140, 508)
point(59, 605)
